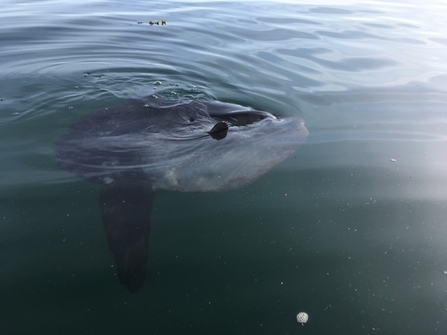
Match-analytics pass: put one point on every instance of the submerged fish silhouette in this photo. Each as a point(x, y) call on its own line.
point(182, 145)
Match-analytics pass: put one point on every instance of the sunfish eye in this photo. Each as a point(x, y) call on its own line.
point(247, 117)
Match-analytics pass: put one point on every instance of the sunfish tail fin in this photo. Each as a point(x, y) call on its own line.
point(126, 210)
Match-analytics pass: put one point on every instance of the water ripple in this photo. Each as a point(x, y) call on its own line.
point(271, 51)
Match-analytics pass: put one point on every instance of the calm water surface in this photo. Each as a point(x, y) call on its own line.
point(351, 229)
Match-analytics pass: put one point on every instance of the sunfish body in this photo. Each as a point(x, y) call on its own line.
point(181, 145)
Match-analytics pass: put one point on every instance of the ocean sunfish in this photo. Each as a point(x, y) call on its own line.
point(178, 145)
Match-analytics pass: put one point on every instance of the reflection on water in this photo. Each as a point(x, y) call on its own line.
point(350, 229)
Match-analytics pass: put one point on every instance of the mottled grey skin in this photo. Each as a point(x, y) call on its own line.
point(172, 145)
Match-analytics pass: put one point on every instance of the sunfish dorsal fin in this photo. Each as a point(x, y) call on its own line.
point(126, 209)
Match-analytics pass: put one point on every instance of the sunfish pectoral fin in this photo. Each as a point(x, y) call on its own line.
point(219, 131)
point(126, 209)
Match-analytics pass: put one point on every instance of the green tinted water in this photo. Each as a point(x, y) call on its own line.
point(350, 229)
